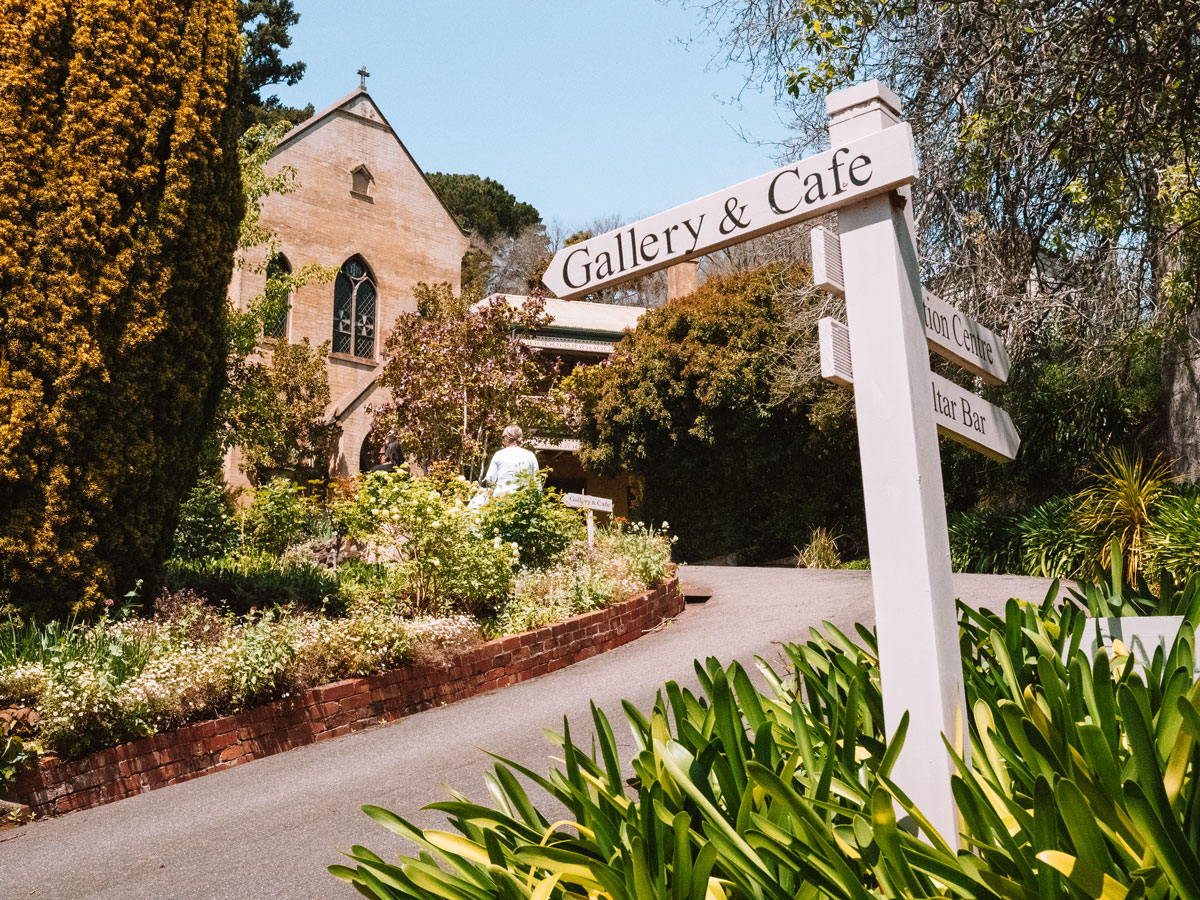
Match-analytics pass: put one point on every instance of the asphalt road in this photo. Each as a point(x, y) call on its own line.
point(269, 828)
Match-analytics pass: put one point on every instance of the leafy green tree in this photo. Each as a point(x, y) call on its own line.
point(249, 399)
point(279, 419)
point(119, 204)
point(265, 25)
point(458, 373)
point(690, 407)
point(483, 206)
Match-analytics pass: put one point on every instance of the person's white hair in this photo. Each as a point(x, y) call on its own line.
point(513, 435)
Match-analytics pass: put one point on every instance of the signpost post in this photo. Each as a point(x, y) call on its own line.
point(920, 665)
point(900, 405)
point(583, 501)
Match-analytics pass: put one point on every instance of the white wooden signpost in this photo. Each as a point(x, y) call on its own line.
point(874, 261)
point(590, 503)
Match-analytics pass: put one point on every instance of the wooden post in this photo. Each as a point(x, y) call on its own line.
point(920, 662)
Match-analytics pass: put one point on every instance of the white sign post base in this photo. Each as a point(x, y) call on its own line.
point(919, 658)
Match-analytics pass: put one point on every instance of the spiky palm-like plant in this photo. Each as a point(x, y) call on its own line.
point(1120, 501)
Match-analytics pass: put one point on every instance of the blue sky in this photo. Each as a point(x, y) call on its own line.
point(586, 108)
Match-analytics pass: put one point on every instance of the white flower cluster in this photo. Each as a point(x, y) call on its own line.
point(624, 562)
point(87, 702)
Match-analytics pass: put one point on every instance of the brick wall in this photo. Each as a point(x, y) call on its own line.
point(335, 709)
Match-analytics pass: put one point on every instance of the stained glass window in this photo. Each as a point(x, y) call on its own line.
point(354, 310)
point(277, 326)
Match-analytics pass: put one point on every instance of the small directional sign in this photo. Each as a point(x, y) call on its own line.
point(816, 185)
point(587, 501)
point(950, 333)
point(971, 420)
point(590, 503)
point(961, 415)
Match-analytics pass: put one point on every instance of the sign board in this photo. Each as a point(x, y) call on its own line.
point(587, 501)
point(951, 333)
point(851, 171)
point(971, 420)
point(961, 415)
point(1142, 636)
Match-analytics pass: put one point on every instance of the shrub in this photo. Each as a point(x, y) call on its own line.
point(1173, 536)
point(639, 557)
point(120, 199)
point(1054, 543)
point(425, 528)
point(821, 551)
point(533, 518)
point(14, 755)
point(240, 583)
point(207, 526)
point(625, 561)
point(362, 584)
point(552, 595)
point(95, 686)
point(279, 516)
point(1119, 502)
point(986, 540)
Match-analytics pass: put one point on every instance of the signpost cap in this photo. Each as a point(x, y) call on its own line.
point(873, 92)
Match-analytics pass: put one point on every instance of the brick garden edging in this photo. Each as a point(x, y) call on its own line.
point(332, 710)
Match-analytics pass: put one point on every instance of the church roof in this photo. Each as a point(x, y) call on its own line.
point(345, 107)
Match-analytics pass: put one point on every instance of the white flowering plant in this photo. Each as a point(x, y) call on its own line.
point(433, 569)
point(532, 516)
point(98, 685)
point(626, 560)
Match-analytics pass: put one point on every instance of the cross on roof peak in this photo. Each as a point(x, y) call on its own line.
point(362, 74)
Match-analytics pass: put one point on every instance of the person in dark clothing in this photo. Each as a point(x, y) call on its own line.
point(391, 458)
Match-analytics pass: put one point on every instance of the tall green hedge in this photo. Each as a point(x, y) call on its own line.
point(119, 208)
point(689, 406)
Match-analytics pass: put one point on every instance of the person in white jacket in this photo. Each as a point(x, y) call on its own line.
point(510, 463)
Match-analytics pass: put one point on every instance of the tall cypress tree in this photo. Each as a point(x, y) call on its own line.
point(119, 208)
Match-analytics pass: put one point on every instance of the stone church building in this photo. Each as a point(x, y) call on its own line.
point(364, 206)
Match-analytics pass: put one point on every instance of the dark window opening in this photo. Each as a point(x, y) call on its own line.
point(276, 327)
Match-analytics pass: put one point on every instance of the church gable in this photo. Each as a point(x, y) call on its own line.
point(355, 133)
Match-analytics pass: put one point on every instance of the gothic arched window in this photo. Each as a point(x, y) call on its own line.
point(354, 309)
point(277, 327)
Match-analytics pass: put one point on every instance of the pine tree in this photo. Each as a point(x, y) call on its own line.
point(119, 208)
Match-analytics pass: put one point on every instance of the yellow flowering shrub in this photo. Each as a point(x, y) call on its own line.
point(120, 200)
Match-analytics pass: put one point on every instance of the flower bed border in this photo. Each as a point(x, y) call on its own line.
point(332, 710)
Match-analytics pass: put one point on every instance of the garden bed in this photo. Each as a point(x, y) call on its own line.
point(332, 710)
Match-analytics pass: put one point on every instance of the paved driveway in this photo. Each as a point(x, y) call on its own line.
point(269, 828)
